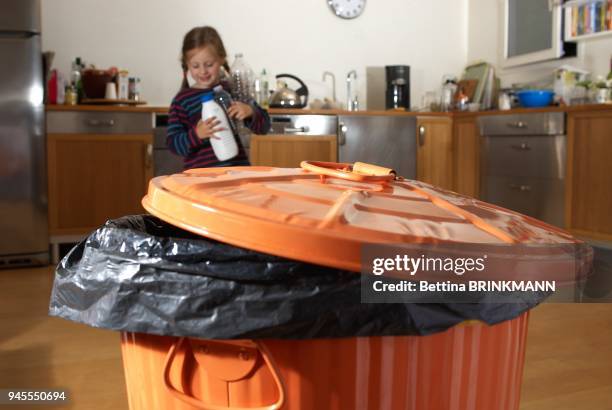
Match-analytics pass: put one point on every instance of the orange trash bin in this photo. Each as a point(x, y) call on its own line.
point(469, 366)
point(323, 214)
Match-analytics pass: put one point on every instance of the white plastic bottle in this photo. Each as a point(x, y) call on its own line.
point(224, 145)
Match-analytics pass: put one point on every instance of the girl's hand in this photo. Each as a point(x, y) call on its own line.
point(240, 110)
point(207, 128)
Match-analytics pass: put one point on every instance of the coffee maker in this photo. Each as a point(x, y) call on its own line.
point(397, 93)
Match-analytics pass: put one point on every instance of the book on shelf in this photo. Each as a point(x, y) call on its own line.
point(586, 24)
point(597, 17)
point(592, 17)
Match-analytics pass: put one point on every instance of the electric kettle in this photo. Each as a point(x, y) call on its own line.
point(285, 97)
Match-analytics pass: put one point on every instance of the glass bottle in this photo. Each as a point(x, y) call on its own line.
point(261, 89)
point(76, 77)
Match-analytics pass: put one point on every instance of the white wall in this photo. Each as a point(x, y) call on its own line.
point(300, 37)
point(484, 41)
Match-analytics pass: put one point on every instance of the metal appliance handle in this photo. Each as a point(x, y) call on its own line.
point(342, 130)
point(517, 124)
point(422, 135)
point(522, 188)
point(148, 157)
point(291, 130)
point(100, 123)
point(523, 146)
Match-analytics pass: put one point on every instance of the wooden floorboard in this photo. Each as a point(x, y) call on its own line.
point(568, 363)
point(568, 360)
point(38, 351)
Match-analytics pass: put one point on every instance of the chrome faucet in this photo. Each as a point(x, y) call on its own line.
point(333, 77)
point(351, 104)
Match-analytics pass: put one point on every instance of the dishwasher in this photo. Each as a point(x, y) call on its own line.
point(523, 163)
point(384, 140)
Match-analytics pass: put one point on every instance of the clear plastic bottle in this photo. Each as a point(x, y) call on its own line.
point(238, 128)
point(242, 78)
point(225, 100)
point(224, 146)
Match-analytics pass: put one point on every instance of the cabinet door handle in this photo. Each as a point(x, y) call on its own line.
point(342, 130)
point(522, 188)
point(290, 130)
point(100, 123)
point(523, 146)
point(517, 124)
point(148, 156)
point(421, 135)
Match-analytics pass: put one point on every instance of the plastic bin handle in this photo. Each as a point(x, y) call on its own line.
point(359, 171)
point(193, 401)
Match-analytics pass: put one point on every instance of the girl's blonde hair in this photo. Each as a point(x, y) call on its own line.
point(199, 37)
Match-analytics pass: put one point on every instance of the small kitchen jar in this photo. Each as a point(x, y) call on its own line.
point(504, 102)
point(430, 101)
point(71, 96)
point(462, 100)
point(122, 85)
point(602, 95)
point(134, 88)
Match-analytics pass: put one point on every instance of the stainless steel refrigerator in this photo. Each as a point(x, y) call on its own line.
point(23, 186)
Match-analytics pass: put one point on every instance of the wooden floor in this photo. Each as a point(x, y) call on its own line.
point(38, 351)
point(568, 365)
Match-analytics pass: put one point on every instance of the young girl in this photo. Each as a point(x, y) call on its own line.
point(203, 55)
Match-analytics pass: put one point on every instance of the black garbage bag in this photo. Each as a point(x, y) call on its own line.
point(140, 274)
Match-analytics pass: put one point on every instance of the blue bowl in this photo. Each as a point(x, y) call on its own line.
point(535, 98)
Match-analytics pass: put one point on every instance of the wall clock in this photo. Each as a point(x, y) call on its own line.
point(347, 9)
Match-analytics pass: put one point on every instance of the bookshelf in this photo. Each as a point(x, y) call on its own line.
point(587, 19)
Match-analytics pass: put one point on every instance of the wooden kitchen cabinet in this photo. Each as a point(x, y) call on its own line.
point(93, 178)
point(589, 174)
point(288, 150)
point(99, 164)
point(466, 156)
point(435, 151)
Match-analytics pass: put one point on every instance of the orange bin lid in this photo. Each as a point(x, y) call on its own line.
point(323, 213)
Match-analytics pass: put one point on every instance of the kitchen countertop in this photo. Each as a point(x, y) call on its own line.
point(107, 108)
point(454, 114)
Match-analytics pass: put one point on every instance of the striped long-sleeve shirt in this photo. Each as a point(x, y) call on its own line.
point(185, 112)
